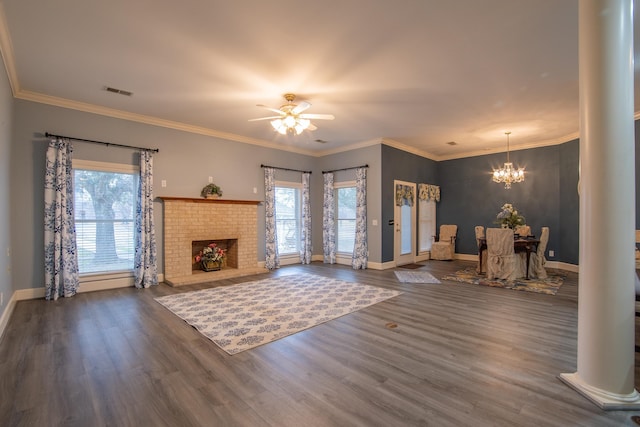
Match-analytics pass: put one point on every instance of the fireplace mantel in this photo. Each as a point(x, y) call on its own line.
point(203, 200)
point(188, 219)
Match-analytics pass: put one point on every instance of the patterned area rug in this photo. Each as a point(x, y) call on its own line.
point(416, 277)
point(550, 285)
point(246, 315)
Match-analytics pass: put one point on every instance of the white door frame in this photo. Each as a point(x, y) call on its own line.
point(400, 258)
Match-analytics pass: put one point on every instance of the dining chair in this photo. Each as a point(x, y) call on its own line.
point(537, 262)
point(522, 230)
point(445, 247)
point(502, 262)
point(480, 235)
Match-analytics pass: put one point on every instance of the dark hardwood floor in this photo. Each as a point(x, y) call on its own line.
point(461, 355)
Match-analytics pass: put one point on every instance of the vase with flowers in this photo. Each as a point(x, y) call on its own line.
point(508, 217)
point(211, 257)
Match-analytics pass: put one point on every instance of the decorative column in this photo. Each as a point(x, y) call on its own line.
point(606, 298)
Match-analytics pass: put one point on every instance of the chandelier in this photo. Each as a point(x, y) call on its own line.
point(508, 174)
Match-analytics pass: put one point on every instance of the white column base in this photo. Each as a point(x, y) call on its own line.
point(605, 400)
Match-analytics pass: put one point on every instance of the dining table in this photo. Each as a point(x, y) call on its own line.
point(526, 244)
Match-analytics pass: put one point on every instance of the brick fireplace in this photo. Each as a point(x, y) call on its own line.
point(189, 222)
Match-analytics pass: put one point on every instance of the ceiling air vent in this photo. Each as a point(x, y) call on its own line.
point(118, 91)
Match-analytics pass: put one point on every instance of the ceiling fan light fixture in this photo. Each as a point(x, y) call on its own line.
point(292, 120)
point(289, 121)
point(277, 123)
point(304, 123)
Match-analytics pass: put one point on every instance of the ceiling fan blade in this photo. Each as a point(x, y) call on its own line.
point(317, 116)
point(265, 118)
point(282, 113)
point(300, 107)
point(311, 127)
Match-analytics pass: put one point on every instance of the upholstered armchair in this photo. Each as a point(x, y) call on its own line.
point(537, 261)
point(502, 262)
point(445, 247)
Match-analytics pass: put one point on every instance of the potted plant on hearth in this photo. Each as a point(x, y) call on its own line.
point(211, 257)
point(211, 191)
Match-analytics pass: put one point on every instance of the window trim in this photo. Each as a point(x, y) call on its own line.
point(297, 186)
point(123, 168)
point(336, 186)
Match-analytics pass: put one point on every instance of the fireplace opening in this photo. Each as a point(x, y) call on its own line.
point(230, 246)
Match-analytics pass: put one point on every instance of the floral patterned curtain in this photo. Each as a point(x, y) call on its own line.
point(429, 192)
point(61, 276)
point(145, 271)
point(359, 258)
point(305, 249)
point(272, 261)
point(404, 195)
point(328, 221)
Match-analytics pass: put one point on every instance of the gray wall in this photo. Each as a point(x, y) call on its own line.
point(470, 197)
point(185, 161)
point(403, 166)
point(363, 156)
point(548, 197)
point(6, 109)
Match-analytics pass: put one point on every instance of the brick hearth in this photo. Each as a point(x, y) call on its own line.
point(187, 220)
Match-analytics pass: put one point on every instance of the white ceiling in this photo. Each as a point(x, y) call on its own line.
point(416, 73)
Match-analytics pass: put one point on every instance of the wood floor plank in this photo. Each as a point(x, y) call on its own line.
point(448, 354)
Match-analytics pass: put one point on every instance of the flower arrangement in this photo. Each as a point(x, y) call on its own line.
point(211, 190)
point(211, 256)
point(508, 216)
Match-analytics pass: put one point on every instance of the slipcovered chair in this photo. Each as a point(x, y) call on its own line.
point(502, 262)
point(445, 247)
point(480, 235)
point(522, 230)
point(537, 261)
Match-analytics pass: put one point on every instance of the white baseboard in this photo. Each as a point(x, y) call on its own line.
point(6, 314)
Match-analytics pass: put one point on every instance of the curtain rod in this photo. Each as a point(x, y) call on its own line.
point(50, 135)
point(346, 169)
point(284, 169)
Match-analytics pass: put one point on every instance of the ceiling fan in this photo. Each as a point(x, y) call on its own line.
point(290, 118)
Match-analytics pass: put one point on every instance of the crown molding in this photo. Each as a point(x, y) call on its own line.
point(154, 121)
point(6, 51)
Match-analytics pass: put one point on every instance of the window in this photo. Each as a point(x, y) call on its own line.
point(426, 224)
point(288, 217)
point(104, 203)
point(345, 199)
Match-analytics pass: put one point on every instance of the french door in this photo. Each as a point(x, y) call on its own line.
point(404, 220)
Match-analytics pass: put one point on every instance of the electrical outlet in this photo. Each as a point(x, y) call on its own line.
point(210, 180)
point(552, 253)
point(163, 183)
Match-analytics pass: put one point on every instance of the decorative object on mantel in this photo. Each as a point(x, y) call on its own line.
point(211, 257)
point(508, 174)
point(211, 191)
point(508, 217)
